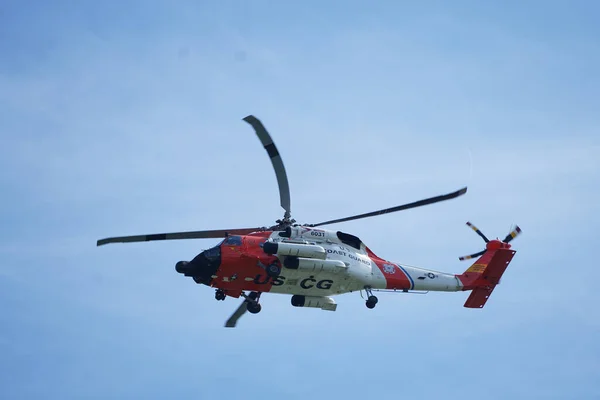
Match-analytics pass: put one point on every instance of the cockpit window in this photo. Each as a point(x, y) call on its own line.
point(213, 253)
point(233, 241)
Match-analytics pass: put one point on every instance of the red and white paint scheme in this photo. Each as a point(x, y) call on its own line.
point(313, 264)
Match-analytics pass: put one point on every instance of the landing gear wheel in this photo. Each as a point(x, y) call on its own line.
point(220, 295)
point(252, 305)
point(254, 308)
point(273, 270)
point(371, 302)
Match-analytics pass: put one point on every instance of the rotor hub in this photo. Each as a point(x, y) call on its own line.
point(496, 245)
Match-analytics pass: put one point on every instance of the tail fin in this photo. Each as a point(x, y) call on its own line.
point(483, 276)
point(485, 273)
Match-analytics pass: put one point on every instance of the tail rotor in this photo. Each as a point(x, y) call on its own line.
point(513, 234)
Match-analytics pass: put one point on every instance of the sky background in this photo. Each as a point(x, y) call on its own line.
point(125, 118)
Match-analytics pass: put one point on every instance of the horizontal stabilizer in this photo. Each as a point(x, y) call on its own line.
point(479, 297)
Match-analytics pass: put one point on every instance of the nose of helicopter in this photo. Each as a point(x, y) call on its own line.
point(181, 266)
point(198, 266)
point(202, 267)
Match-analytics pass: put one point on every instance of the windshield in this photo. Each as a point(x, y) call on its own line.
point(233, 241)
point(213, 253)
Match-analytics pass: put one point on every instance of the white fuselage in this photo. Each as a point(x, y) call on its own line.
point(361, 269)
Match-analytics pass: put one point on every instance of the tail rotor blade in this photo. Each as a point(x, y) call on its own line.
point(471, 256)
point(269, 145)
point(507, 239)
point(477, 231)
point(512, 235)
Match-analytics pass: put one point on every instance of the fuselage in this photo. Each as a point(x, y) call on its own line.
point(239, 264)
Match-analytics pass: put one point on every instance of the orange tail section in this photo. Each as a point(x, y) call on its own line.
point(483, 276)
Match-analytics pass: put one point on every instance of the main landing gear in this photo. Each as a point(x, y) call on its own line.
point(253, 305)
point(371, 300)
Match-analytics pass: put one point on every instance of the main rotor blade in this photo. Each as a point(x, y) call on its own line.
point(237, 314)
point(269, 145)
point(220, 233)
point(419, 203)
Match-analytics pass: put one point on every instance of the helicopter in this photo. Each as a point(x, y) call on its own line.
point(313, 264)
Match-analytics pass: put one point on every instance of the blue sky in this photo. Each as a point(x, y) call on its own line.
point(123, 119)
